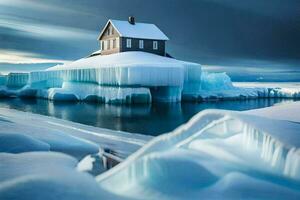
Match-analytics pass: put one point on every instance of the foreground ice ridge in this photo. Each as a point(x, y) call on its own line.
point(131, 77)
point(216, 154)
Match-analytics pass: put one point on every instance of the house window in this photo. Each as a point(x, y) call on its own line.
point(109, 31)
point(141, 44)
point(102, 45)
point(105, 45)
point(108, 44)
point(117, 42)
point(155, 45)
point(114, 43)
point(128, 43)
point(112, 30)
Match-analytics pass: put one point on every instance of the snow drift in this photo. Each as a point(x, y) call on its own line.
point(17, 143)
point(15, 138)
point(216, 154)
point(45, 175)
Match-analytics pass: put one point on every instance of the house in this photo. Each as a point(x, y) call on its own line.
point(120, 36)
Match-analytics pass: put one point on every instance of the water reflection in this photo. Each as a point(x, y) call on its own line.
point(147, 119)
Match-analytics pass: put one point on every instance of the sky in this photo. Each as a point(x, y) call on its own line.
point(253, 40)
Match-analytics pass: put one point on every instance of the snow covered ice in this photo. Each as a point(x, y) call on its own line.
point(45, 175)
point(217, 154)
point(39, 156)
point(132, 77)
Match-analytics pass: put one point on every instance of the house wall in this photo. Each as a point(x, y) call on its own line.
point(121, 43)
point(109, 37)
point(148, 46)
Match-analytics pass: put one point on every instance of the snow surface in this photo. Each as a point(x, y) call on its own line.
point(45, 175)
point(40, 173)
point(17, 143)
point(124, 69)
point(138, 30)
point(285, 111)
point(133, 59)
point(217, 154)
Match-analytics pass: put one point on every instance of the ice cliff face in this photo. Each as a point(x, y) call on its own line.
point(17, 79)
point(132, 77)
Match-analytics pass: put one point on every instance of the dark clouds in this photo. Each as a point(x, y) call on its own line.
point(214, 32)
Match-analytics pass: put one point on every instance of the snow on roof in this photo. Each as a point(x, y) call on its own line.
point(138, 30)
point(123, 59)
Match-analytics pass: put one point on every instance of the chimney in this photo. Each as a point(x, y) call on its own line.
point(131, 20)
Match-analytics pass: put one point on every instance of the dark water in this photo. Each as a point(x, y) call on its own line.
point(147, 119)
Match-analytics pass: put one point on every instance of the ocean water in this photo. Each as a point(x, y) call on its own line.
point(153, 119)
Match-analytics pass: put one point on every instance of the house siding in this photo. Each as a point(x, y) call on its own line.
point(105, 37)
point(121, 43)
point(148, 46)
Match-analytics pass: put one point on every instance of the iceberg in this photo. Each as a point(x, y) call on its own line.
point(92, 92)
point(218, 86)
point(128, 75)
point(17, 80)
point(132, 77)
point(3, 80)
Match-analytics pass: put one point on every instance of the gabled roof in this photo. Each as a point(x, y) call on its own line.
point(138, 30)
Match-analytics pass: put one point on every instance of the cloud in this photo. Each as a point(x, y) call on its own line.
point(36, 5)
point(27, 27)
point(19, 57)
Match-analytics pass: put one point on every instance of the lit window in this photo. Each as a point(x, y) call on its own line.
point(117, 42)
point(105, 45)
point(155, 45)
point(128, 43)
point(141, 44)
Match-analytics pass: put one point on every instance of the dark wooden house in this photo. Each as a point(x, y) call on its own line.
point(120, 36)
